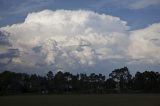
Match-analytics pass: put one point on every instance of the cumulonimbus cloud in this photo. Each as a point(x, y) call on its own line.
point(145, 44)
point(78, 38)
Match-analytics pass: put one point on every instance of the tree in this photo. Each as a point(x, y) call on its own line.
point(75, 83)
point(93, 79)
point(84, 83)
point(35, 84)
point(16, 83)
point(110, 84)
point(50, 75)
point(68, 79)
point(122, 77)
point(147, 81)
point(50, 82)
point(59, 81)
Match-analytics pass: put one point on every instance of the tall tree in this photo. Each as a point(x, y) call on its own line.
point(50, 75)
point(122, 76)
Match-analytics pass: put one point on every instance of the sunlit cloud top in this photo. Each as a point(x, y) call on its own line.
point(79, 36)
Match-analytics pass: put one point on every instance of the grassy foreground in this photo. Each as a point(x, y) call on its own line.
point(83, 100)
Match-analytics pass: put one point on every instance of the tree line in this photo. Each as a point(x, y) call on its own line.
point(119, 81)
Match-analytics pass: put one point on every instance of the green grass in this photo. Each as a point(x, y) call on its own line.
point(83, 100)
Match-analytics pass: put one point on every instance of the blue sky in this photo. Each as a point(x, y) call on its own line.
point(79, 35)
point(14, 11)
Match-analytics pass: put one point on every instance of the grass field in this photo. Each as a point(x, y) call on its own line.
point(83, 100)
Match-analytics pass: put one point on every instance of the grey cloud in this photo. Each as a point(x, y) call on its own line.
point(11, 53)
point(140, 4)
point(7, 58)
point(37, 49)
point(4, 39)
point(130, 4)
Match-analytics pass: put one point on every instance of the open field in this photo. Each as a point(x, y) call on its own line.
point(83, 100)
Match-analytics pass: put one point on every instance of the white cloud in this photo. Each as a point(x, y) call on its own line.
point(145, 44)
point(73, 36)
point(78, 39)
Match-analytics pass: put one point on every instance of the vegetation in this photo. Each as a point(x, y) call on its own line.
point(119, 81)
point(82, 100)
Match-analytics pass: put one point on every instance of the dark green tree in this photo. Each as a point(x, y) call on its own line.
point(122, 76)
point(50, 75)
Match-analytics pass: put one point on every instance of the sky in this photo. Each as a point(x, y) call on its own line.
point(79, 36)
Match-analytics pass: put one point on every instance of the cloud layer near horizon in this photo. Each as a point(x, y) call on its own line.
point(76, 39)
point(140, 4)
